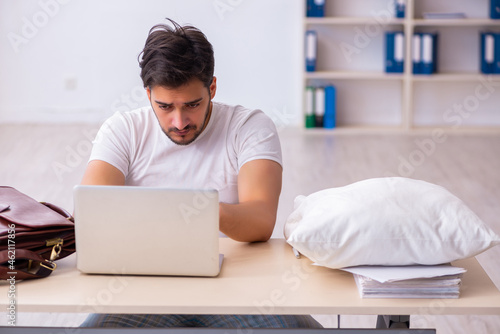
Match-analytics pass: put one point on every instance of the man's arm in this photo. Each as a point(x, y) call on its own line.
point(102, 173)
point(259, 188)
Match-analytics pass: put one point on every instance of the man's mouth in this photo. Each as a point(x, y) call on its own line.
point(182, 132)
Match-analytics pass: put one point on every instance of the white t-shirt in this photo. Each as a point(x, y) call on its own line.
point(134, 143)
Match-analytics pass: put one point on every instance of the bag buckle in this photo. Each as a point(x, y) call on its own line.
point(56, 250)
point(53, 264)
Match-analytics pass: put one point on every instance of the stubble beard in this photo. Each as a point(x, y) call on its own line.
point(196, 134)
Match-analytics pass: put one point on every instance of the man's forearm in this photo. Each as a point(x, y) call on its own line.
point(248, 222)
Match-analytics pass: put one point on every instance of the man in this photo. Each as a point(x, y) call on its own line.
point(185, 140)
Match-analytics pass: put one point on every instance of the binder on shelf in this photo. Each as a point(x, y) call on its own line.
point(417, 53)
point(330, 107)
point(315, 8)
point(488, 52)
point(400, 7)
point(310, 120)
point(495, 9)
point(424, 53)
point(429, 53)
point(496, 67)
point(309, 8)
point(311, 50)
point(319, 104)
point(394, 52)
point(435, 38)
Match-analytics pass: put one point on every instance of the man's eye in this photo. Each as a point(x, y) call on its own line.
point(164, 107)
point(193, 105)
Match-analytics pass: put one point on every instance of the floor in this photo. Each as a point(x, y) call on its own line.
point(46, 161)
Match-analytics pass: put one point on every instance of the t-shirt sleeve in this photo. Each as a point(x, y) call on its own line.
point(257, 138)
point(112, 143)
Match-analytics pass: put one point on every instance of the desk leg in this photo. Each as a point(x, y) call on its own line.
point(393, 321)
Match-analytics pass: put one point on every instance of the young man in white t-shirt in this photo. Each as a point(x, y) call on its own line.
point(185, 140)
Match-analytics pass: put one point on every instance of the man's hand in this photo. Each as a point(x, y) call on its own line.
point(254, 217)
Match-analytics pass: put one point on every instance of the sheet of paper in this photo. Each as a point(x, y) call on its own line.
point(398, 273)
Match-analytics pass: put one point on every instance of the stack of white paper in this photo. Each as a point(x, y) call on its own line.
point(442, 281)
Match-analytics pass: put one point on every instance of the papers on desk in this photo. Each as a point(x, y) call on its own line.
point(442, 281)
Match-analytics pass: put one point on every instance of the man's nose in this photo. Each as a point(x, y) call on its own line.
point(180, 121)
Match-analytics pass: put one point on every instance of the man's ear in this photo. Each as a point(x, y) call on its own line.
point(148, 91)
point(213, 87)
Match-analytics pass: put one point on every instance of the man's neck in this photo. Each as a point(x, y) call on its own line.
point(208, 117)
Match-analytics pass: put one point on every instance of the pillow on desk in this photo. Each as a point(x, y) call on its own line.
point(386, 221)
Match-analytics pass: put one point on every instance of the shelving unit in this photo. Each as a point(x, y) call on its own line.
point(351, 51)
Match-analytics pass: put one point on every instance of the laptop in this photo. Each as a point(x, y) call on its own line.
point(147, 231)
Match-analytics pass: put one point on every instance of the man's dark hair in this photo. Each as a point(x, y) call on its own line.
point(172, 56)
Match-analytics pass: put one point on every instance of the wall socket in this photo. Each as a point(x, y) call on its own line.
point(70, 82)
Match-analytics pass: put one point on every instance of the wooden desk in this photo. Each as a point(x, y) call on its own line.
point(255, 278)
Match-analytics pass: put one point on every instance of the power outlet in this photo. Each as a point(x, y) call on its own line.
point(71, 82)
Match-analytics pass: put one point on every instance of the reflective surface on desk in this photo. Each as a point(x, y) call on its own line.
point(255, 278)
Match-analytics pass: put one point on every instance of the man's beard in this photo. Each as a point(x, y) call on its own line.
point(194, 128)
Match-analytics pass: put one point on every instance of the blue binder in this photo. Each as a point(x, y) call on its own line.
point(400, 8)
point(311, 50)
point(429, 53)
point(495, 9)
point(309, 8)
point(330, 107)
point(435, 38)
point(417, 53)
point(394, 52)
point(487, 52)
point(315, 8)
point(496, 67)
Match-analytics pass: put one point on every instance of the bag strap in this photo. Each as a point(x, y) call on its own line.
point(26, 265)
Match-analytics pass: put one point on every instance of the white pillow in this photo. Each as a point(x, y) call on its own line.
point(386, 221)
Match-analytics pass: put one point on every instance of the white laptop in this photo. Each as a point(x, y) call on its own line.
point(147, 231)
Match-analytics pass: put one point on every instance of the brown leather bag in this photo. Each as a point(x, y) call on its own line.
point(32, 236)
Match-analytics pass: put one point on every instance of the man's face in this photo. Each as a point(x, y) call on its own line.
point(183, 112)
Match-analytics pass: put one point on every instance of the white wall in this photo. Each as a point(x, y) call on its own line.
point(76, 60)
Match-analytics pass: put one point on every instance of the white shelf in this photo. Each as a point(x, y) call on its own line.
point(353, 75)
point(351, 21)
point(346, 75)
point(369, 98)
point(455, 77)
point(349, 130)
point(401, 22)
point(456, 22)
